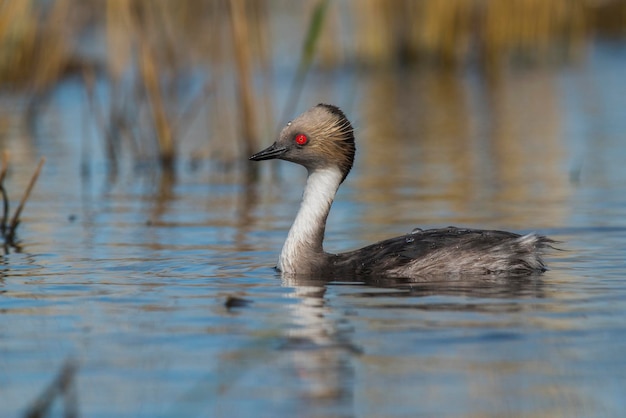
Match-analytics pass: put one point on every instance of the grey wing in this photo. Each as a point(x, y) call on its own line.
point(394, 253)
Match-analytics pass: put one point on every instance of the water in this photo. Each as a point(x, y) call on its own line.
point(161, 292)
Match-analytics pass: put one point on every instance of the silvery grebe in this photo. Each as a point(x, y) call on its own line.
point(322, 140)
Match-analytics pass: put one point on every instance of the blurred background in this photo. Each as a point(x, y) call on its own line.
point(147, 215)
point(482, 91)
point(515, 94)
point(163, 81)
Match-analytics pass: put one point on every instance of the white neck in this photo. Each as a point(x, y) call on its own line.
point(303, 247)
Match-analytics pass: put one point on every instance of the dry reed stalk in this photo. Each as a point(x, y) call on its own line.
point(34, 47)
point(372, 32)
point(119, 24)
point(241, 42)
point(3, 192)
point(53, 55)
point(5, 166)
point(260, 32)
point(446, 29)
point(62, 385)
point(130, 27)
point(18, 38)
point(89, 80)
point(119, 42)
point(162, 124)
point(452, 32)
point(16, 216)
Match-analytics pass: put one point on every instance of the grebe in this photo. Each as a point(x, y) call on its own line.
point(322, 140)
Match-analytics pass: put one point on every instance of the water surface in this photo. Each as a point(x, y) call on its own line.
point(160, 288)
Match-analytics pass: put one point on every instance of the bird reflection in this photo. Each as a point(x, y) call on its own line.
point(319, 341)
point(320, 348)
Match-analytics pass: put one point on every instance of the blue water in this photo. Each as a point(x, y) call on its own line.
point(128, 278)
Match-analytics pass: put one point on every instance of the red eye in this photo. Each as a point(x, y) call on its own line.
point(301, 139)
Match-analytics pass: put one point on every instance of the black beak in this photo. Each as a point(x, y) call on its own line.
point(273, 151)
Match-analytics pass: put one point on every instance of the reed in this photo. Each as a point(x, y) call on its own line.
point(15, 221)
point(128, 55)
point(145, 63)
point(490, 33)
point(307, 54)
point(161, 121)
point(153, 46)
point(3, 192)
point(62, 386)
point(243, 64)
point(26, 32)
point(36, 37)
point(8, 229)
